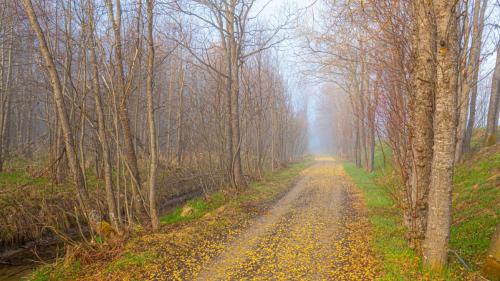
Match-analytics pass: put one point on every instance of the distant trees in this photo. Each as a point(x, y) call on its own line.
point(469, 83)
point(493, 108)
point(239, 37)
point(134, 97)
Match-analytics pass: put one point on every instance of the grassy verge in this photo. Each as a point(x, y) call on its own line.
point(476, 211)
point(184, 243)
point(398, 261)
point(476, 207)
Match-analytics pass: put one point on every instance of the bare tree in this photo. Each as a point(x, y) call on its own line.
point(123, 92)
point(472, 75)
point(101, 122)
point(62, 114)
point(153, 149)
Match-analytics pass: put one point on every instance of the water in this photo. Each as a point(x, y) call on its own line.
point(15, 272)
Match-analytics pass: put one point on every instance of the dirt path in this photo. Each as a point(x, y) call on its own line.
point(317, 231)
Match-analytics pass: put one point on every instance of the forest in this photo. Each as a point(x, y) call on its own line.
point(249, 140)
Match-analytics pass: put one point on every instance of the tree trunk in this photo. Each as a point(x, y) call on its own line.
point(129, 151)
point(62, 114)
point(371, 146)
point(5, 100)
point(239, 181)
point(363, 94)
point(180, 109)
point(492, 123)
point(153, 149)
point(101, 125)
point(357, 144)
point(464, 85)
point(439, 215)
point(421, 111)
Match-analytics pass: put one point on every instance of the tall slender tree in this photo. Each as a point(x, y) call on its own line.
point(62, 113)
point(153, 148)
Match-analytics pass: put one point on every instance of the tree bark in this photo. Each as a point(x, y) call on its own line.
point(421, 112)
point(439, 215)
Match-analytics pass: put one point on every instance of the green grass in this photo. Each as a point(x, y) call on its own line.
point(130, 260)
point(476, 212)
point(399, 262)
point(62, 272)
point(199, 208)
point(20, 178)
point(476, 208)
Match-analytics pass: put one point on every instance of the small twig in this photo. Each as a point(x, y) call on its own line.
point(460, 259)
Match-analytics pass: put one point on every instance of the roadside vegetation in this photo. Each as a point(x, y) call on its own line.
point(476, 212)
point(119, 110)
point(175, 251)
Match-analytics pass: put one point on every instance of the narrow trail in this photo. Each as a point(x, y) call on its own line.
point(317, 231)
